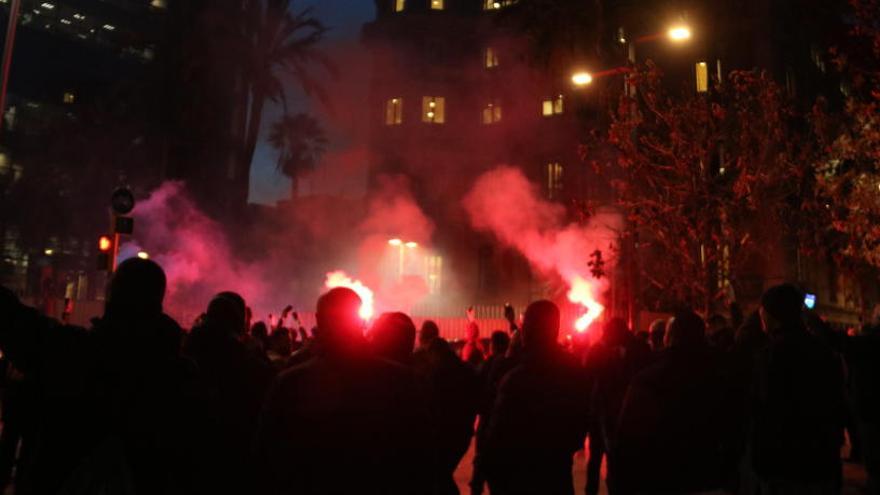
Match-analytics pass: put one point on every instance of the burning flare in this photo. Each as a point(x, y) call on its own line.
point(340, 279)
point(581, 292)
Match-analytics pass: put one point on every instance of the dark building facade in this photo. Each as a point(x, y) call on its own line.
point(455, 92)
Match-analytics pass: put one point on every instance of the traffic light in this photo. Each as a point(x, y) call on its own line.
point(105, 253)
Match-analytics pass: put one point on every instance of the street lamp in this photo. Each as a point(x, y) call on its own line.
point(679, 33)
point(143, 255)
point(401, 252)
point(582, 78)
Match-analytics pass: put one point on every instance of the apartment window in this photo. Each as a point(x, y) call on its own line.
point(496, 4)
point(434, 273)
point(702, 77)
point(394, 111)
point(433, 109)
point(436, 4)
point(492, 112)
point(554, 180)
point(68, 97)
point(490, 58)
point(399, 5)
point(552, 106)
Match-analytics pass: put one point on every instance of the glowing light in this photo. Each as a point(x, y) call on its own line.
point(143, 255)
point(47, 5)
point(79, 17)
point(48, 251)
point(104, 243)
point(65, 21)
point(340, 279)
point(679, 33)
point(412, 245)
point(582, 78)
point(109, 27)
point(395, 242)
point(581, 292)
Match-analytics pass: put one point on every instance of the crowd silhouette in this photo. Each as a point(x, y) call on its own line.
point(135, 404)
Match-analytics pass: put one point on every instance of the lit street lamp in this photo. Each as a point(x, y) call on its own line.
point(679, 33)
point(582, 78)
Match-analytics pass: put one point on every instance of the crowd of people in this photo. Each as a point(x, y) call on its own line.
point(137, 405)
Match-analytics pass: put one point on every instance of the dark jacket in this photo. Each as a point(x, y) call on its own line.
point(451, 391)
point(538, 422)
point(678, 425)
point(797, 409)
point(120, 387)
point(236, 381)
point(351, 424)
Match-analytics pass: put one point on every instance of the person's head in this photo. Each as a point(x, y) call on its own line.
point(393, 336)
point(136, 290)
point(260, 331)
point(685, 330)
point(658, 334)
point(499, 342)
point(615, 332)
point(782, 307)
point(339, 325)
point(428, 333)
point(715, 323)
point(227, 313)
point(540, 328)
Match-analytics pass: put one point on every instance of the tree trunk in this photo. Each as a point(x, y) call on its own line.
point(252, 134)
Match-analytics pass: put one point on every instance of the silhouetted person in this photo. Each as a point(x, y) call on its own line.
point(117, 403)
point(393, 336)
point(472, 352)
point(657, 331)
point(610, 365)
point(798, 406)
point(451, 390)
point(488, 378)
point(237, 381)
point(344, 421)
point(428, 333)
point(719, 333)
point(676, 432)
point(540, 415)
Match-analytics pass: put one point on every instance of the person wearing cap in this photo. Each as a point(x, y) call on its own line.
point(797, 407)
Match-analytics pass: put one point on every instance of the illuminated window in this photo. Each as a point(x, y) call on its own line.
point(552, 106)
point(554, 180)
point(68, 97)
point(399, 5)
point(490, 58)
point(433, 109)
point(702, 71)
point(496, 4)
point(394, 111)
point(434, 273)
point(436, 4)
point(492, 112)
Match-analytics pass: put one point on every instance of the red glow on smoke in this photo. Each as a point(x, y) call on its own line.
point(505, 203)
point(340, 279)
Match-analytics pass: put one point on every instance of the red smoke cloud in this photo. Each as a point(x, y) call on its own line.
point(194, 252)
point(503, 202)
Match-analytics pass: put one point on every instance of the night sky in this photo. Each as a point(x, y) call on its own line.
point(345, 19)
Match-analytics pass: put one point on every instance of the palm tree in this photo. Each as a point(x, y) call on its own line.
point(300, 142)
point(276, 43)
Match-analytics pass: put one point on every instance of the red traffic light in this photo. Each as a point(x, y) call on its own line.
point(105, 243)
